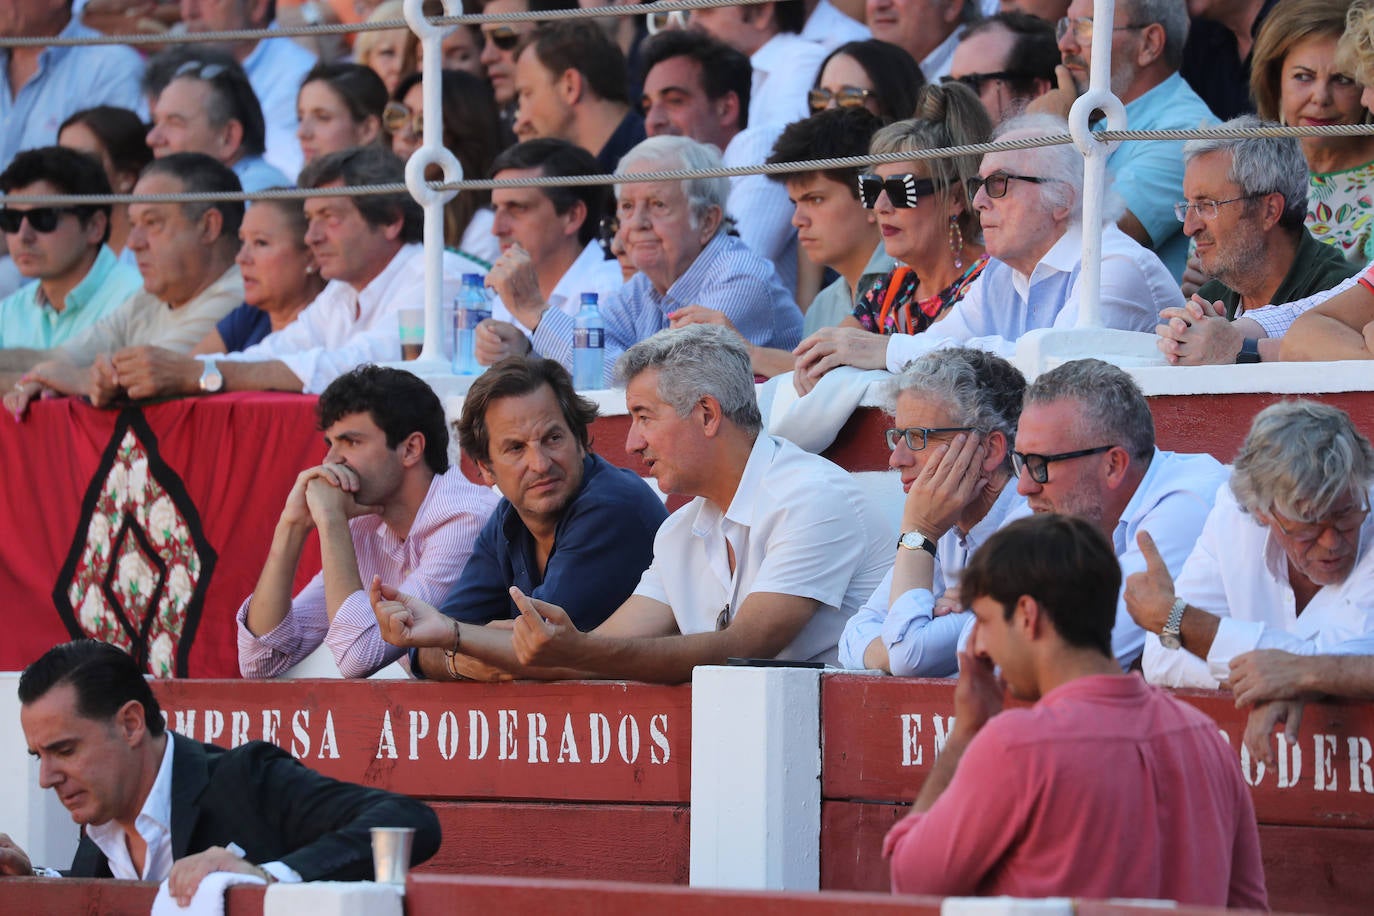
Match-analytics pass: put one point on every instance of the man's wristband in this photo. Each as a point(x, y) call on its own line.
point(451, 655)
point(1249, 351)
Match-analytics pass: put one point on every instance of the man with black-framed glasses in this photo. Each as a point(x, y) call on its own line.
point(1008, 60)
point(1285, 560)
point(1085, 446)
point(76, 278)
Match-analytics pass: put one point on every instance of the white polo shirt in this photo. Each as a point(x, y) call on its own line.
point(1239, 572)
point(798, 524)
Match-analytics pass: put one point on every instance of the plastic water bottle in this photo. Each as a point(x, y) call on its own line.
point(589, 341)
point(471, 309)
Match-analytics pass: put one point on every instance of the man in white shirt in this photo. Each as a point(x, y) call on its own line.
point(696, 86)
point(829, 26)
point(928, 30)
point(785, 64)
point(1285, 560)
point(549, 244)
point(776, 550)
point(275, 68)
point(369, 250)
point(157, 805)
point(1085, 446)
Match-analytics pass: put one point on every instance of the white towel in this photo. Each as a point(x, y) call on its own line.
point(209, 897)
point(814, 421)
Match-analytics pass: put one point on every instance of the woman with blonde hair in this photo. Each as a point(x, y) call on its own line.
point(1299, 78)
point(390, 53)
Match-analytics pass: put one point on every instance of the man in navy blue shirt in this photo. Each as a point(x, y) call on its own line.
point(572, 529)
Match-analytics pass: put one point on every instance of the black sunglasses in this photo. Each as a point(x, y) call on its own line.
point(1039, 465)
point(975, 81)
point(503, 36)
point(996, 183)
point(903, 190)
point(42, 219)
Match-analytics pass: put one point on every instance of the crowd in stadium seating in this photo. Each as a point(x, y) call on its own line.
point(1227, 250)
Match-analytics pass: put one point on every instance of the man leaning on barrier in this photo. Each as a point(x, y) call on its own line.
point(571, 529)
point(775, 551)
point(1244, 202)
point(154, 805)
point(1106, 787)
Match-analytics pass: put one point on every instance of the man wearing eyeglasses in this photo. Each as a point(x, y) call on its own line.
point(1008, 60)
point(1244, 204)
point(1147, 51)
point(77, 279)
point(1085, 446)
point(1285, 560)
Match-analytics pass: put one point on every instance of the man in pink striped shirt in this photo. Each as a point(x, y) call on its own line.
point(386, 502)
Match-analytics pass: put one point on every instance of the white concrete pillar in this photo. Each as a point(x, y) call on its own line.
point(756, 768)
point(33, 817)
point(333, 898)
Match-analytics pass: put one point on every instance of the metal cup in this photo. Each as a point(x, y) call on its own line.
point(391, 853)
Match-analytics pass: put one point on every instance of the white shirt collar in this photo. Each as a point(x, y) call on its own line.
point(154, 824)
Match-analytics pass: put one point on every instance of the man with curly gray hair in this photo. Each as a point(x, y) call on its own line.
point(1284, 560)
point(774, 552)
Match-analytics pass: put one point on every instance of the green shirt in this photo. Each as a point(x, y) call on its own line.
point(835, 303)
point(1316, 267)
point(27, 319)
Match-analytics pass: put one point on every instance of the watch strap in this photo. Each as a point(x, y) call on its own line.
point(1249, 351)
point(915, 540)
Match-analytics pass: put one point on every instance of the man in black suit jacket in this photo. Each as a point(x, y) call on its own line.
point(147, 802)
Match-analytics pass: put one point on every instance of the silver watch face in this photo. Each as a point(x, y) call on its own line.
point(1170, 640)
point(211, 380)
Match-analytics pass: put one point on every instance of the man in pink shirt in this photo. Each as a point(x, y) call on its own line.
point(1106, 787)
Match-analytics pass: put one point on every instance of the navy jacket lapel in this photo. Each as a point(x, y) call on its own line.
point(190, 773)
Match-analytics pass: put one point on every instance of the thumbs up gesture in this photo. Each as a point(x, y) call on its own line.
point(1150, 594)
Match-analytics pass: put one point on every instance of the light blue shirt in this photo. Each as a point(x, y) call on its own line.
point(28, 320)
point(67, 80)
point(255, 174)
point(275, 69)
point(1149, 175)
point(919, 644)
point(726, 276)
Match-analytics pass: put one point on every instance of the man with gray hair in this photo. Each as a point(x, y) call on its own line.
point(1030, 203)
point(1147, 51)
point(1245, 201)
point(1285, 560)
point(955, 412)
point(775, 551)
point(691, 271)
point(1085, 446)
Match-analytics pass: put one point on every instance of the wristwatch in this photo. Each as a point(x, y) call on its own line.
point(1249, 351)
point(1168, 637)
point(211, 381)
point(915, 540)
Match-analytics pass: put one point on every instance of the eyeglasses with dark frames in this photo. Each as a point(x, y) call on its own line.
point(918, 437)
point(903, 191)
point(395, 117)
point(1207, 209)
point(844, 97)
point(41, 219)
point(975, 81)
point(1344, 523)
point(996, 184)
point(504, 37)
point(1039, 465)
